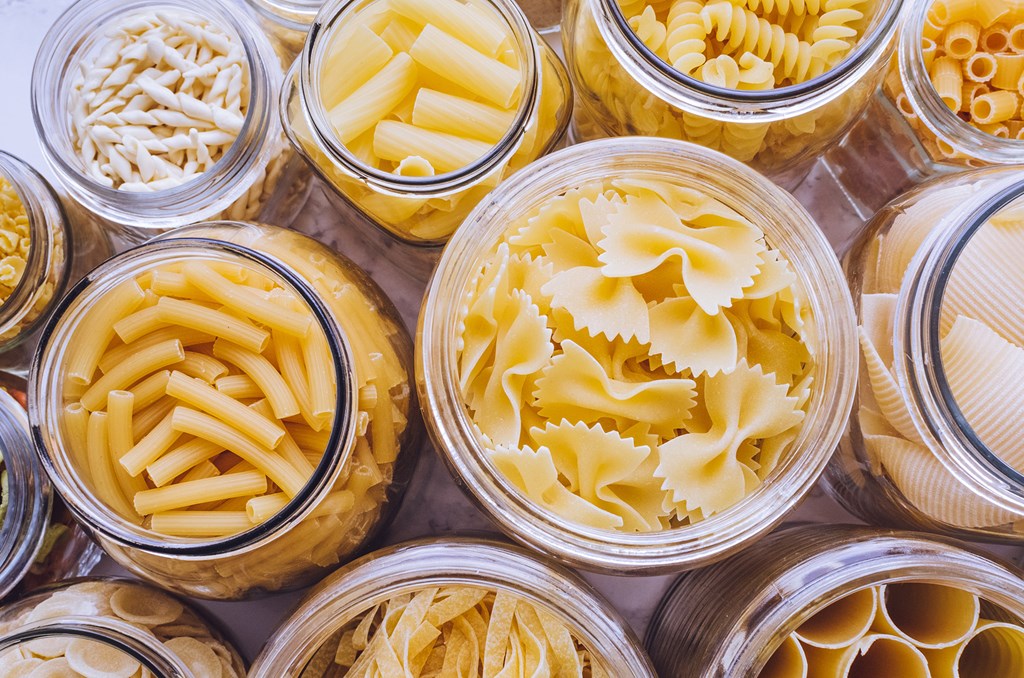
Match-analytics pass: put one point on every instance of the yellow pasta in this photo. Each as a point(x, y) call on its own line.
point(200, 523)
point(380, 95)
point(397, 141)
point(948, 80)
point(961, 39)
point(158, 500)
point(995, 107)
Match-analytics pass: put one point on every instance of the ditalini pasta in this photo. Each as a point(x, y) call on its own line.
point(633, 355)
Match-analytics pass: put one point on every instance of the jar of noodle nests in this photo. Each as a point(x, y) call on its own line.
point(848, 601)
point(111, 627)
point(951, 101)
point(412, 111)
point(228, 410)
point(634, 356)
point(773, 83)
point(934, 440)
point(463, 607)
point(155, 114)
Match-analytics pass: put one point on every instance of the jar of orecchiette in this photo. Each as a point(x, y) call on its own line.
point(933, 441)
point(635, 355)
point(951, 100)
point(460, 606)
point(227, 410)
point(771, 83)
point(154, 114)
point(412, 111)
point(844, 601)
point(111, 627)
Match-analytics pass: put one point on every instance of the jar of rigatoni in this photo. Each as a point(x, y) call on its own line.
point(635, 355)
point(849, 601)
point(464, 607)
point(773, 84)
point(934, 440)
point(111, 627)
point(154, 114)
point(412, 111)
point(227, 410)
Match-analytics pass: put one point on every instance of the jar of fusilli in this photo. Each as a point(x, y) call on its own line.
point(934, 440)
point(773, 84)
point(462, 606)
point(154, 114)
point(634, 355)
point(228, 409)
point(844, 601)
point(952, 100)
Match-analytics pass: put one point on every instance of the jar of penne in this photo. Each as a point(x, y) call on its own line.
point(933, 440)
point(771, 83)
point(453, 606)
point(154, 114)
point(951, 100)
point(111, 627)
point(636, 356)
point(228, 410)
point(844, 601)
point(413, 110)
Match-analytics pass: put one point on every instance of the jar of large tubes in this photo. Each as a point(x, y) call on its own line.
point(228, 410)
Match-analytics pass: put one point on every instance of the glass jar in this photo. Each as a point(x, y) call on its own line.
point(288, 21)
point(481, 564)
point(258, 177)
point(918, 452)
point(360, 456)
point(111, 626)
point(426, 210)
point(623, 88)
point(727, 620)
point(786, 227)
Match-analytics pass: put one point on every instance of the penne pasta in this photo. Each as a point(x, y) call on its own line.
point(200, 523)
point(456, 61)
point(219, 324)
point(180, 495)
point(263, 374)
point(207, 399)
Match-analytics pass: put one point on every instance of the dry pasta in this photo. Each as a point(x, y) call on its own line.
point(15, 239)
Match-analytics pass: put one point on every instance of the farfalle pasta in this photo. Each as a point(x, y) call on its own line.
point(634, 355)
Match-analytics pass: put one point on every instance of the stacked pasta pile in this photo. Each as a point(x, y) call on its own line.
point(200, 396)
point(905, 630)
point(635, 356)
point(15, 239)
point(982, 343)
point(454, 631)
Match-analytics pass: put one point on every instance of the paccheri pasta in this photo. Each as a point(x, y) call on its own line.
point(15, 239)
point(634, 355)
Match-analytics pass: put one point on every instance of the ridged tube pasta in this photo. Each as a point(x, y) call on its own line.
point(454, 60)
point(995, 107)
point(397, 141)
point(366, 106)
point(948, 80)
point(455, 115)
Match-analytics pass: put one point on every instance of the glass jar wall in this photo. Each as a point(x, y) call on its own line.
point(932, 440)
point(287, 21)
point(322, 423)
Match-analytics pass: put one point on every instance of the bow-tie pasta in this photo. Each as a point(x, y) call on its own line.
point(634, 355)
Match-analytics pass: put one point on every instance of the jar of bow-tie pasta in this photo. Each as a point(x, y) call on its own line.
point(773, 83)
point(952, 100)
point(463, 607)
point(228, 410)
point(844, 601)
point(154, 114)
point(635, 355)
point(111, 627)
point(934, 437)
point(413, 110)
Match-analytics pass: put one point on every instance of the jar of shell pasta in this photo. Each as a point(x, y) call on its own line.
point(228, 410)
point(933, 438)
point(634, 356)
point(412, 111)
point(111, 627)
point(773, 84)
point(951, 101)
point(460, 606)
point(844, 601)
point(154, 114)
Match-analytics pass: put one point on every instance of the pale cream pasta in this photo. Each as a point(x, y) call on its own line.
point(15, 239)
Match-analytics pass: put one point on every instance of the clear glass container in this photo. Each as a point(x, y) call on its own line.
point(480, 564)
point(787, 227)
point(623, 88)
point(109, 626)
point(424, 211)
point(287, 21)
point(258, 178)
point(727, 620)
point(312, 534)
point(920, 450)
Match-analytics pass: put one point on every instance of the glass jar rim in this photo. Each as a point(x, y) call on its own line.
point(714, 538)
point(307, 71)
point(294, 14)
point(97, 514)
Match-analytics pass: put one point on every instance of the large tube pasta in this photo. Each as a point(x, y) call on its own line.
point(841, 623)
point(929, 615)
